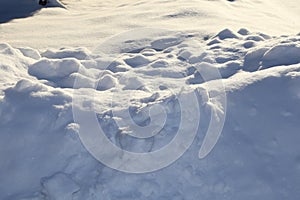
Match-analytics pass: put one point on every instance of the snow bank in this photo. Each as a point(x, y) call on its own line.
point(42, 156)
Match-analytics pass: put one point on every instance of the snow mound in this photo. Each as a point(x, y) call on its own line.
point(106, 82)
point(257, 156)
point(13, 64)
point(31, 53)
point(79, 53)
point(225, 34)
point(137, 61)
point(54, 69)
point(285, 54)
point(253, 59)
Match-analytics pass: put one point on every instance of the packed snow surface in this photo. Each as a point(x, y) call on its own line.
point(58, 60)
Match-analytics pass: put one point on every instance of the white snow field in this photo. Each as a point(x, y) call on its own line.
point(88, 22)
point(218, 79)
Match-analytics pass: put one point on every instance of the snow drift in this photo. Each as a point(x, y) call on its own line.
point(257, 155)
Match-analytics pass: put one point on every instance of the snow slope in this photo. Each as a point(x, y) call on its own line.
point(88, 22)
point(257, 155)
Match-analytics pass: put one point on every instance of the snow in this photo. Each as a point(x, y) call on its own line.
point(106, 82)
point(253, 58)
point(206, 105)
point(137, 61)
point(54, 69)
point(226, 33)
point(59, 186)
point(289, 53)
point(86, 23)
point(12, 9)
